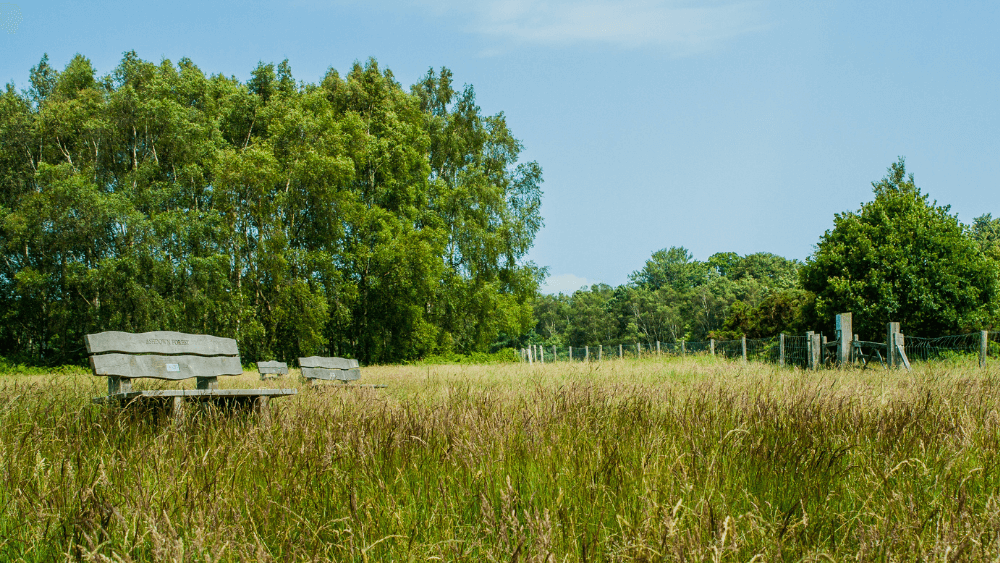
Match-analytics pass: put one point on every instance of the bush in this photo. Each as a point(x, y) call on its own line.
point(503, 356)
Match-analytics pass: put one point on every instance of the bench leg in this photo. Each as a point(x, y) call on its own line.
point(263, 408)
point(178, 410)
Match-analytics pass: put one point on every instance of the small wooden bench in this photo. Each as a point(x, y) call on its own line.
point(315, 368)
point(171, 356)
point(270, 370)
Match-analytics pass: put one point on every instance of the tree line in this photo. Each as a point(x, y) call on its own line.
point(900, 257)
point(354, 217)
point(348, 217)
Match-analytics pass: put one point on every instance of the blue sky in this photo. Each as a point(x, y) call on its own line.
point(711, 124)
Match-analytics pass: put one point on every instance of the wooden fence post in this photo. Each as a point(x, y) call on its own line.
point(810, 363)
point(744, 344)
point(855, 348)
point(984, 339)
point(683, 349)
point(600, 352)
point(819, 349)
point(571, 353)
point(891, 357)
point(586, 353)
point(620, 356)
point(844, 333)
point(638, 350)
point(541, 353)
point(532, 347)
point(781, 350)
point(657, 347)
point(554, 355)
point(711, 345)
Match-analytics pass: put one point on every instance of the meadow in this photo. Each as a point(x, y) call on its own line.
point(682, 459)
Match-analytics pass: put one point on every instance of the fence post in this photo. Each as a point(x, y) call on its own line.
point(984, 339)
point(744, 343)
point(620, 356)
point(711, 345)
point(571, 353)
point(638, 350)
point(781, 349)
point(530, 349)
point(819, 349)
point(586, 353)
point(555, 356)
point(810, 362)
point(844, 333)
point(600, 352)
point(855, 348)
point(891, 357)
point(541, 353)
point(683, 349)
point(657, 347)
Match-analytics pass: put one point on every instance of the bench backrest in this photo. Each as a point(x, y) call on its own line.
point(162, 355)
point(269, 368)
point(334, 369)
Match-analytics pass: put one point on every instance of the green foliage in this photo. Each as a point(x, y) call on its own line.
point(985, 230)
point(347, 217)
point(502, 356)
point(902, 258)
point(675, 297)
point(788, 311)
point(10, 366)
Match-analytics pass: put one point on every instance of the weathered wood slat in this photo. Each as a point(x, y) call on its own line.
point(331, 374)
point(197, 393)
point(329, 363)
point(861, 343)
point(280, 368)
point(160, 342)
point(902, 355)
point(173, 368)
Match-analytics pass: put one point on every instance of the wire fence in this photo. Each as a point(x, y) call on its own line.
point(787, 350)
point(956, 347)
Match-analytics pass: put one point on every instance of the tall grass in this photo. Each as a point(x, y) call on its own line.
point(686, 460)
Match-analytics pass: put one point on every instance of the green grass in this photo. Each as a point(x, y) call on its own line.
point(680, 460)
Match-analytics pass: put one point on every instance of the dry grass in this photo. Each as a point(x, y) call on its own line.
point(687, 460)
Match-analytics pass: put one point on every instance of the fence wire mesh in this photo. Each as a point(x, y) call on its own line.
point(957, 347)
point(731, 349)
point(797, 351)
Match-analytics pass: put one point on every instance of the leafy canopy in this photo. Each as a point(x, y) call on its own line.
point(902, 258)
point(349, 217)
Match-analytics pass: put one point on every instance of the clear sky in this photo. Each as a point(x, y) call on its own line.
point(712, 124)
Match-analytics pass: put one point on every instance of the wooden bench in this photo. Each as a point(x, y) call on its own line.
point(270, 370)
point(316, 368)
point(171, 356)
